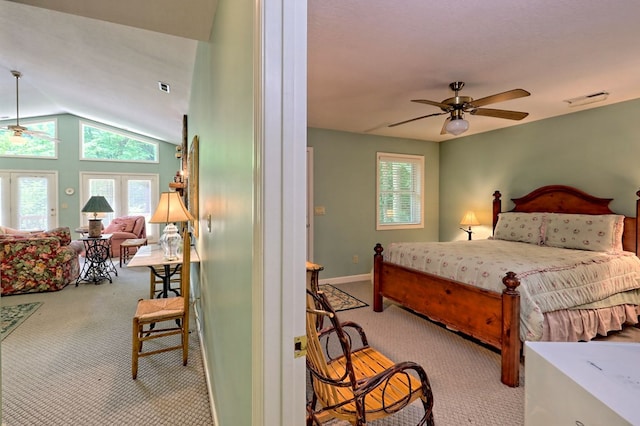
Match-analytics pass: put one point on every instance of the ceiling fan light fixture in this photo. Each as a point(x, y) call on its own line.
point(17, 139)
point(457, 126)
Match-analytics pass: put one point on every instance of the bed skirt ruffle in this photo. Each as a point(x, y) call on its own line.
point(585, 324)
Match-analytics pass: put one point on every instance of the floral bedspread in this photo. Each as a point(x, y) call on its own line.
point(550, 278)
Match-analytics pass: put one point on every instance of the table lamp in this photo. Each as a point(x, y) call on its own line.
point(170, 209)
point(469, 219)
point(96, 204)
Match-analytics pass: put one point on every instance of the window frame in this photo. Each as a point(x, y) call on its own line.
point(120, 132)
point(28, 123)
point(417, 191)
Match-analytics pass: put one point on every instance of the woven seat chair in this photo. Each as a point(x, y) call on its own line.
point(172, 311)
point(356, 385)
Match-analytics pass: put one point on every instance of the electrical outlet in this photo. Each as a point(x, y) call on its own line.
point(355, 259)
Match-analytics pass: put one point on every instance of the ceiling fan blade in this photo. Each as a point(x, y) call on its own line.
point(499, 113)
point(414, 119)
point(445, 107)
point(500, 97)
point(444, 126)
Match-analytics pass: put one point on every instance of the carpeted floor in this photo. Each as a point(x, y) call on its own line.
point(465, 376)
point(70, 363)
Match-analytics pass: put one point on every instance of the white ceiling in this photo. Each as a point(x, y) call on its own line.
point(366, 59)
point(102, 70)
point(369, 58)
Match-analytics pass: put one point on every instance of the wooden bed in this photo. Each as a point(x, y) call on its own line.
point(490, 317)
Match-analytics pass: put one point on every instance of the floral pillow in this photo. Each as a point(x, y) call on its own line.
point(584, 231)
point(524, 227)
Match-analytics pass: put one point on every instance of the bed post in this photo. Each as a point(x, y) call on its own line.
point(377, 276)
point(497, 207)
point(510, 341)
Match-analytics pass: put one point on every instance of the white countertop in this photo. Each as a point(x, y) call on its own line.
point(152, 255)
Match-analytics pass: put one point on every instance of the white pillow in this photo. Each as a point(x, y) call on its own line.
point(584, 231)
point(524, 227)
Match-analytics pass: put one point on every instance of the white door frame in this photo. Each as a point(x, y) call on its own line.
point(9, 213)
point(278, 305)
point(310, 211)
point(121, 188)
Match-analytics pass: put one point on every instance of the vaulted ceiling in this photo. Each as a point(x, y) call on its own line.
point(367, 59)
point(103, 60)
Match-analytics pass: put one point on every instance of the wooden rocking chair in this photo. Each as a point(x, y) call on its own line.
point(357, 385)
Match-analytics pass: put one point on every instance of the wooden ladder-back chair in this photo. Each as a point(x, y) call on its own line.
point(356, 385)
point(151, 312)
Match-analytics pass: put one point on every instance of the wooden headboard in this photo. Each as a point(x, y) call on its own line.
point(566, 199)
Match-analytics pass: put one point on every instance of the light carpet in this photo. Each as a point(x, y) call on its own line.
point(14, 315)
point(464, 375)
point(71, 363)
point(339, 300)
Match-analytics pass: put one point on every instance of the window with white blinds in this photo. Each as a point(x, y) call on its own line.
point(400, 191)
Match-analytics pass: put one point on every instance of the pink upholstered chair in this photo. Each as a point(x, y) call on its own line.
point(124, 228)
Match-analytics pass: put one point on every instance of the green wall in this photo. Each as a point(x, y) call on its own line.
point(221, 114)
point(596, 150)
point(344, 179)
point(69, 166)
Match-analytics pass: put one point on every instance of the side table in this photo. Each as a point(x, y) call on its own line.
point(82, 230)
point(98, 265)
point(126, 245)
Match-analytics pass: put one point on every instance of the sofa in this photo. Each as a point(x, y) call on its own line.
point(125, 228)
point(37, 261)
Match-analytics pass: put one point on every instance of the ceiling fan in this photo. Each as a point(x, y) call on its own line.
point(19, 131)
point(456, 106)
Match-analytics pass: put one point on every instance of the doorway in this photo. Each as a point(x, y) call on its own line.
point(128, 195)
point(28, 199)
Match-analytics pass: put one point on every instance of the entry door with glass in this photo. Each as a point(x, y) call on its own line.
point(128, 195)
point(28, 200)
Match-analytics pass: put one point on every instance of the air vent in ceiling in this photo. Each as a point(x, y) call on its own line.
point(164, 87)
point(587, 99)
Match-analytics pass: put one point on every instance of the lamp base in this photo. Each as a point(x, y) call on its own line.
point(468, 231)
point(170, 242)
point(95, 228)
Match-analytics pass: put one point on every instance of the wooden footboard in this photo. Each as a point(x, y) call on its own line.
point(490, 317)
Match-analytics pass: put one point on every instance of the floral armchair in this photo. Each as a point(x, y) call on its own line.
point(37, 262)
point(125, 228)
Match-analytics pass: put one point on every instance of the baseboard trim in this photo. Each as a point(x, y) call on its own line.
point(346, 279)
point(203, 353)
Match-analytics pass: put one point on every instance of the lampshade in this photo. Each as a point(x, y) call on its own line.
point(97, 204)
point(469, 219)
point(170, 209)
point(457, 126)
